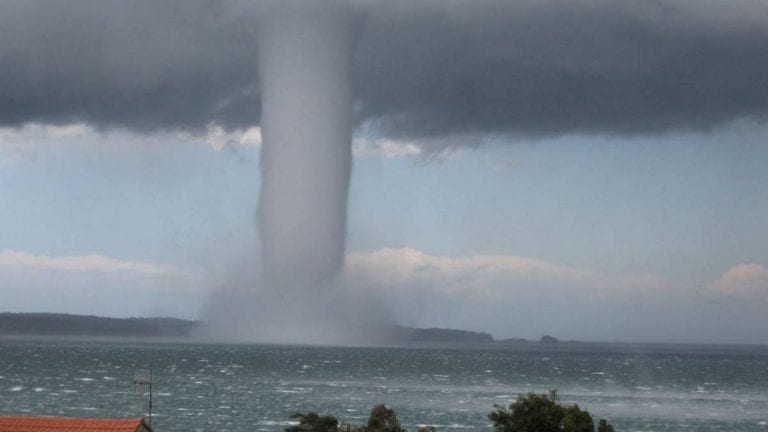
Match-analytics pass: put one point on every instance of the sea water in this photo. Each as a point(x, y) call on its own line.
point(257, 387)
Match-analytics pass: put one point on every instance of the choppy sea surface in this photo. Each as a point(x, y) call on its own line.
point(256, 387)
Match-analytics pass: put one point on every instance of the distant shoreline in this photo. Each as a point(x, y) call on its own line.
point(55, 326)
point(89, 327)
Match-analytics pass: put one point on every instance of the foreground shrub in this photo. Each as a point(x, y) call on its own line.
point(542, 413)
point(604, 427)
point(531, 413)
point(382, 419)
point(313, 422)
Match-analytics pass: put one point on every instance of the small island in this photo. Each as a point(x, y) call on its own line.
point(549, 340)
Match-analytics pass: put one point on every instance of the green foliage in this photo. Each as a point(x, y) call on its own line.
point(542, 413)
point(604, 426)
point(576, 420)
point(533, 413)
point(383, 419)
point(313, 422)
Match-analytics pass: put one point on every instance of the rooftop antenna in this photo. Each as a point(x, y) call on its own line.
point(142, 383)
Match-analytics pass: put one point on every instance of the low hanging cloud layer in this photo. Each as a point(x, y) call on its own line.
point(79, 263)
point(96, 285)
point(421, 69)
point(744, 280)
point(514, 296)
point(509, 296)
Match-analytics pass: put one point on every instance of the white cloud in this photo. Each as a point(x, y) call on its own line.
point(67, 131)
point(743, 280)
point(80, 263)
point(12, 144)
point(384, 148)
point(489, 273)
point(423, 150)
point(96, 285)
point(27, 141)
point(219, 138)
point(516, 296)
point(504, 294)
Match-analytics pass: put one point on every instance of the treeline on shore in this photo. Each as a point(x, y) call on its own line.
point(52, 324)
point(530, 413)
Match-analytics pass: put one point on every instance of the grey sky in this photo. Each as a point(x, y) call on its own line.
point(593, 169)
point(434, 67)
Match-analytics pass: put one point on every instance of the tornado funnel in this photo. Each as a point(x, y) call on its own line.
point(304, 51)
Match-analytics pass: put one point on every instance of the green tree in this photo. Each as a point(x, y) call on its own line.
point(576, 420)
point(604, 426)
point(542, 413)
point(532, 413)
point(313, 422)
point(383, 419)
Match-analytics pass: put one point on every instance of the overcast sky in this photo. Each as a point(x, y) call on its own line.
point(593, 170)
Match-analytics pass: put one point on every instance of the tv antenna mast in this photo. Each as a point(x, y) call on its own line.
point(142, 382)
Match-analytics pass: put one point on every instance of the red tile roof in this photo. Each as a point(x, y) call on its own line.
point(69, 424)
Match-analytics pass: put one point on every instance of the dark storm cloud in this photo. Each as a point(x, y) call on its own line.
point(422, 68)
point(549, 66)
point(139, 64)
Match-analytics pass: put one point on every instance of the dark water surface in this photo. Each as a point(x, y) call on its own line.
point(257, 387)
